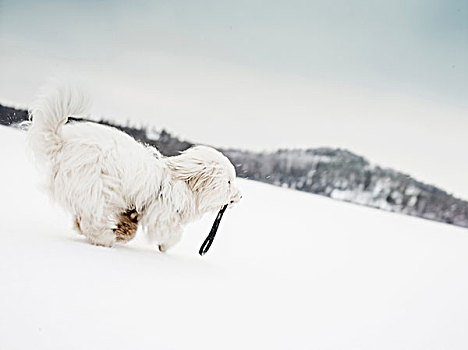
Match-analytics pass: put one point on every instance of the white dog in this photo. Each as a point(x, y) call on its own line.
point(111, 183)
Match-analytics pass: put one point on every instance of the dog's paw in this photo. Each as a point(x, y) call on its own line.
point(101, 242)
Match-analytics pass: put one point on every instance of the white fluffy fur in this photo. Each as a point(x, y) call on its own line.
point(97, 172)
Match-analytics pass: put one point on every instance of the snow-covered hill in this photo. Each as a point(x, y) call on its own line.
point(331, 172)
point(288, 270)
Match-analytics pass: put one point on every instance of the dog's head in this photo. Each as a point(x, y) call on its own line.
point(209, 175)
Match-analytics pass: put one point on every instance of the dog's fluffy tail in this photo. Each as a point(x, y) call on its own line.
point(50, 111)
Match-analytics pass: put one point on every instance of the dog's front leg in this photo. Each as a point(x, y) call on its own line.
point(168, 237)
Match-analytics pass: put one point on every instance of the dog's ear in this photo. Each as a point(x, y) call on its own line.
point(191, 168)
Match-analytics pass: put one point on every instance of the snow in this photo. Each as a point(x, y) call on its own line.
point(153, 134)
point(288, 270)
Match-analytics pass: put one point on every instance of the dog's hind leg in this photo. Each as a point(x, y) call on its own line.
point(98, 232)
point(127, 226)
point(76, 225)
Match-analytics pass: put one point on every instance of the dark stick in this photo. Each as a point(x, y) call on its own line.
point(209, 240)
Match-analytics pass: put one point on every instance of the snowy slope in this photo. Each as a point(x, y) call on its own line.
point(288, 270)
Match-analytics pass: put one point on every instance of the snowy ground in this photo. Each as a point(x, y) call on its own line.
point(288, 270)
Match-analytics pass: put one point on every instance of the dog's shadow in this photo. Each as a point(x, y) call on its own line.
point(149, 253)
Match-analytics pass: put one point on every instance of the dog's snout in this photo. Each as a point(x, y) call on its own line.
point(235, 197)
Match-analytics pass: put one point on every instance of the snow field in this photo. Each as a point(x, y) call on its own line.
point(287, 270)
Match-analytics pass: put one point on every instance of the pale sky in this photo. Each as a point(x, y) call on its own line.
point(419, 47)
